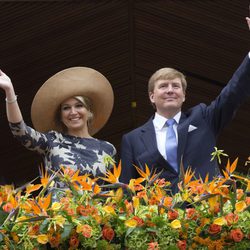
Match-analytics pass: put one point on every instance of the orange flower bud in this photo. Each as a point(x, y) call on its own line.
point(108, 233)
point(173, 214)
point(191, 213)
point(214, 229)
point(182, 244)
point(7, 207)
point(153, 246)
point(236, 235)
point(74, 241)
point(231, 218)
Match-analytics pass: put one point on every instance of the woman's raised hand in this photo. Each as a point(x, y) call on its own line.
point(5, 81)
point(12, 109)
point(248, 22)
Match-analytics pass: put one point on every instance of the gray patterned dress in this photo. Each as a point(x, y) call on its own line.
point(89, 155)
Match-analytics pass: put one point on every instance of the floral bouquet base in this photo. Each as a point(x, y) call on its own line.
point(141, 215)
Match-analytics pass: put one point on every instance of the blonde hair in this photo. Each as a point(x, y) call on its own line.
point(87, 104)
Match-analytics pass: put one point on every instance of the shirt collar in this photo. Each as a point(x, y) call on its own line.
point(160, 121)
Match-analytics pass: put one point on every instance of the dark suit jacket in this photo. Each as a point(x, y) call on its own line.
point(139, 147)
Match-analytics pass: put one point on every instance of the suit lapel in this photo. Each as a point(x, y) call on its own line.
point(148, 137)
point(182, 131)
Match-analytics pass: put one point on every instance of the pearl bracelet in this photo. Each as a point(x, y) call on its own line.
point(11, 101)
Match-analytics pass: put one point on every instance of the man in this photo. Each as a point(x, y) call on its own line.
point(192, 137)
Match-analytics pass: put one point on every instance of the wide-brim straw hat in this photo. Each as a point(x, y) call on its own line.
point(75, 81)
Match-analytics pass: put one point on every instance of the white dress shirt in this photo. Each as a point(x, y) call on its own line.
point(159, 123)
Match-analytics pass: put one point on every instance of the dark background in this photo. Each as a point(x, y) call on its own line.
point(126, 40)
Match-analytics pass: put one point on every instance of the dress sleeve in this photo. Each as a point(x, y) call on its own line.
point(30, 138)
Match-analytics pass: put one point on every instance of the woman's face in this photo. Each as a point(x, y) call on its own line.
point(74, 115)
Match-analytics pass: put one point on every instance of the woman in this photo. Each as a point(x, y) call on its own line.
point(66, 112)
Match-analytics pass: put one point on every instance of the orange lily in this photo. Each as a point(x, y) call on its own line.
point(14, 200)
point(145, 175)
point(188, 176)
point(230, 168)
point(31, 188)
point(70, 174)
point(113, 177)
point(45, 202)
point(40, 207)
point(85, 182)
point(45, 177)
point(96, 189)
point(186, 181)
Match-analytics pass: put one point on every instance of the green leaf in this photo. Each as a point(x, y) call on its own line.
point(129, 231)
point(3, 216)
point(66, 231)
point(32, 219)
point(44, 225)
point(1, 237)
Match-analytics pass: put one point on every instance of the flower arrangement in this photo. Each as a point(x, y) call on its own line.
point(141, 215)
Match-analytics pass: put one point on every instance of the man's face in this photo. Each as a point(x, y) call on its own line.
point(168, 97)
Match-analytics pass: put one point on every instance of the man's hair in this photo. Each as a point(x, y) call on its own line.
point(166, 74)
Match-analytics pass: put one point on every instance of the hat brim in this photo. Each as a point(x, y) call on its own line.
point(75, 81)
